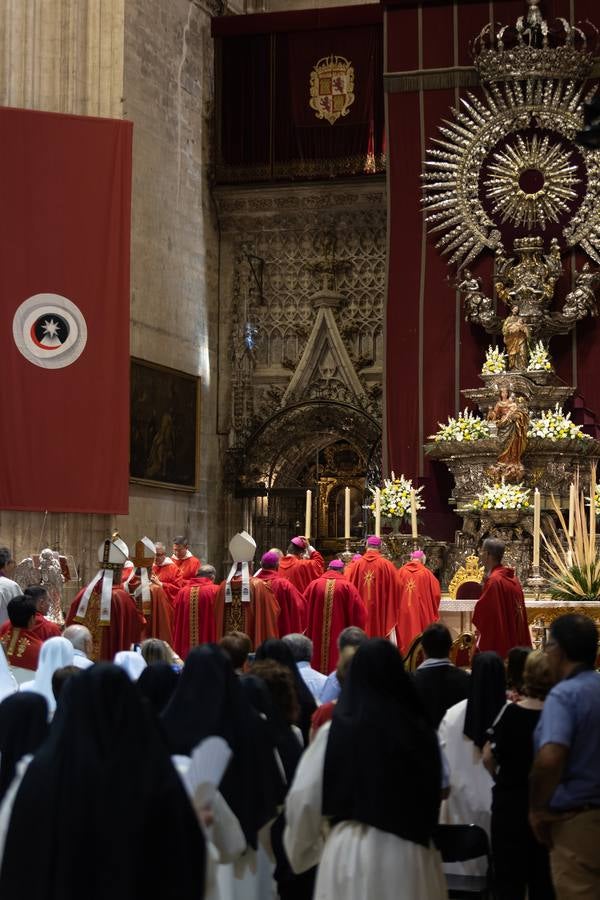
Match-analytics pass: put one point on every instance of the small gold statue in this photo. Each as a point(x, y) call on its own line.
point(516, 340)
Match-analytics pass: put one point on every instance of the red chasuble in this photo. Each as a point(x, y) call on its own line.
point(194, 615)
point(376, 580)
point(21, 647)
point(125, 628)
point(43, 628)
point(257, 617)
point(292, 615)
point(186, 567)
point(159, 618)
point(420, 596)
point(301, 571)
point(500, 616)
point(168, 575)
point(332, 604)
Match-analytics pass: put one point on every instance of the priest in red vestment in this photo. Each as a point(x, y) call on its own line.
point(43, 627)
point(500, 616)
point(291, 602)
point(187, 565)
point(332, 604)
point(301, 564)
point(376, 580)
point(166, 572)
point(420, 596)
point(194, 616)
point(20, 642)
point(110, 614)
point(148, 593)
point(243, 603)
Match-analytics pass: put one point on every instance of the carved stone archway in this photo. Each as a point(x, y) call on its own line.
point(277, 456)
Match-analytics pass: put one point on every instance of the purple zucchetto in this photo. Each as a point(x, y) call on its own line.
point(373, 541)
point(337, 565)
point(299, 542)
point(356, 556)
point(269, 560)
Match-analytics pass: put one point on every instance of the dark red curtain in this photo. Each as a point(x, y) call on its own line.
point(64, 298)
point(245, 109)
point(431, 353)
point(266, 125)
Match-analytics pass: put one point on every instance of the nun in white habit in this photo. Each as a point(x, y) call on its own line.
point(56, 653)
point(365, 799)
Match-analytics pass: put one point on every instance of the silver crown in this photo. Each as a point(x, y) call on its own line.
point(535, 48)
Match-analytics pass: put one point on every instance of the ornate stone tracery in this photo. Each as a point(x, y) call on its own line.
point(303, 313)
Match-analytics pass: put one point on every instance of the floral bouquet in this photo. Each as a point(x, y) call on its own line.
point(495, 361)
point(554, 425)
point(466, 427)
point(539, 359)
point(394, 497)
point(503, 496)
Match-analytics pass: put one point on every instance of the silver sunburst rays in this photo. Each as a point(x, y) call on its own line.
point(531, 181)
point(496, 135)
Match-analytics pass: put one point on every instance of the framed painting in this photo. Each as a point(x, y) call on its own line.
point(165, 425)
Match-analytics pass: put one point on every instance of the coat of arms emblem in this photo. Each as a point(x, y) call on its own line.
point(332, 87)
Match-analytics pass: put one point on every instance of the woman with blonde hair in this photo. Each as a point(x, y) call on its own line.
point(520, 863)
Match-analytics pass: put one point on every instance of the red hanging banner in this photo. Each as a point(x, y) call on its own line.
point(65, 197)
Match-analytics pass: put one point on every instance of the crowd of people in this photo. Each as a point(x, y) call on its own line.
point(252, 763)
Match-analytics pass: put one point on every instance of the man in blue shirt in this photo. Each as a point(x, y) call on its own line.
point(353, 637)
point(565, 778)
point(302, 650)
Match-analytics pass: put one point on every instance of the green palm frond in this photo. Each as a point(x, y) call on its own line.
point(573, 567)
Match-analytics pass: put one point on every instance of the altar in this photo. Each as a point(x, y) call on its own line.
point(457, 615)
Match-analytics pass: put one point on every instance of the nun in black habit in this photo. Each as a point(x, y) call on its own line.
point(100, 812)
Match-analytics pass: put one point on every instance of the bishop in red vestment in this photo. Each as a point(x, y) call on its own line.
point(332, 604)
point(292, 607)
point(420, 596)
point(257, 617)
point(297, 567)
point(126, 621)
point(500, 616)
point(194, 615)
point(376, 580)
point(165, 571)
point(187, 565)
point(148, 593)
point(20, 642)
point(243, 603)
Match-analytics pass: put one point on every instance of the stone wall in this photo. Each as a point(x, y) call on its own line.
point(152, 62)
point(168, 93)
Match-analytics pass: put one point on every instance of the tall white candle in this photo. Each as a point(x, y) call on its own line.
point(571, 510)
point(308, 514)
point(377, 512)
point(413, 514)
point(537, 511)
point(593, 510)
point(347, 513)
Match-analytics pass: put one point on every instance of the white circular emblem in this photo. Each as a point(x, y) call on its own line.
point(50, 331)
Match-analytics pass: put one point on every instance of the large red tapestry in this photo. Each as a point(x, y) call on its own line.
point(64, 301)
point(431, 352)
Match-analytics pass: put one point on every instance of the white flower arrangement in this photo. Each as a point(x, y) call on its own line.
point(503, 496)
point(466, 427)
point(554, 425)
point(539, 359)
point(394, 497)
point(495, 361)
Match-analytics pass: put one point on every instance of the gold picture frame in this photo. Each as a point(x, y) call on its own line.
point(164, 427)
